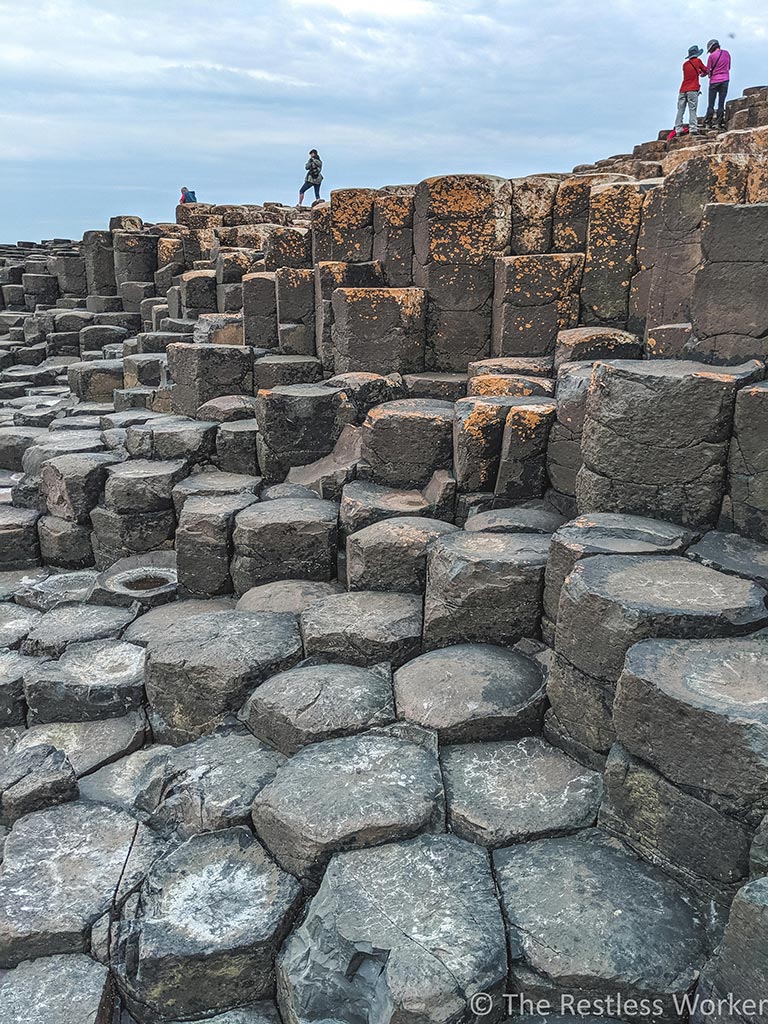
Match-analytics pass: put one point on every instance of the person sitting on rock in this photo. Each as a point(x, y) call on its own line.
point(719, 71)
point(313, 167)
point(187, 195)
point(693, 70)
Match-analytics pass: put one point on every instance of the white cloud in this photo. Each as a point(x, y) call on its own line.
point(231, 98)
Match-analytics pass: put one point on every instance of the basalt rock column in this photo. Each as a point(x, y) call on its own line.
point(614, 224)
point(609, 602)
point(729, 308)
point(534, 298)
point(656, 439)
point(461, 223)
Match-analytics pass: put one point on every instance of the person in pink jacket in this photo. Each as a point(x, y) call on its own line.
point(719, 73)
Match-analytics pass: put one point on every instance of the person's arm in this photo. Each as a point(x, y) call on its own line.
point(701, 69)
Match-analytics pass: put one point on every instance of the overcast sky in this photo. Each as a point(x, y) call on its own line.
point(110, 107)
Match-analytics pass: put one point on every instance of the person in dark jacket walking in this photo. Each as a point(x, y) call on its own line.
point(314, 169)
point(693, 69)
point(719, 71)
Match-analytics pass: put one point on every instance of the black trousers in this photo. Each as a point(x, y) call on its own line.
point(307, 186)
point(717, 94)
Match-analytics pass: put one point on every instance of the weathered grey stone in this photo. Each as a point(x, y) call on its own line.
point(19, 546)
point(210, 483)
point(172, 437)
point(75, 623)
point(746, 507)
point(154, 623)
point(609, 602)
point(588, 343)
point(733, 554)
point(91, 681)
point(656, 438)
point(587, 918)
point(71, 485)
point(318, 702)
point(226, 655)
point(408, 931)
point(286, 596)
point(122, 535)
point(284, 539)
point(327, 476)
point(16, 623)
point(65, 544)
point(605, 533)
point(298, 424)
point(70, 989)
point(689, 839)
point(484, 587)
point(204, 545)
point(364, 628)
point(511, 792)
point(363, 504)
point(13, 667)
point(32, 779)
point(207, 785)
point(532, 516)
point(59, 588)
point(89, 745)
point(345, 794)
point(142, 485)
point(63, 869)
point(695, 711)
point(404, 442)
point(12, 580)
point(378, 329)
point(203, 934)
point(472, 692)
point(120, 783)
point(392, 554)
point(737, 974)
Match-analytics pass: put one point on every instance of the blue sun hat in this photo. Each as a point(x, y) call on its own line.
point(694, 51)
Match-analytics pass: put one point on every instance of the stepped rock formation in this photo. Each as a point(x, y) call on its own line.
point(383, 602)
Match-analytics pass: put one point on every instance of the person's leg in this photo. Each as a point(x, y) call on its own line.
point(681, 100)
point(317, 191)
point(302, 190)
point(710, 106)
point(722, 93)
point(693, 112)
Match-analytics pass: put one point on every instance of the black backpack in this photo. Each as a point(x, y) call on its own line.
point(191, 197)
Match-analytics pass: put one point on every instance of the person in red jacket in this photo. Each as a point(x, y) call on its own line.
point(187, 196)
point(693, 69)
